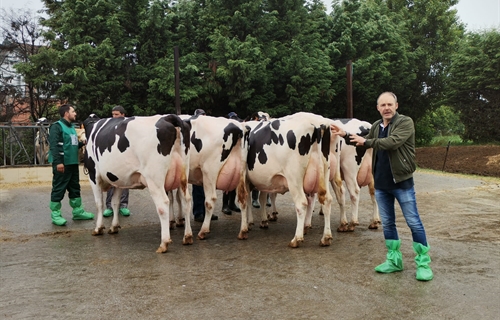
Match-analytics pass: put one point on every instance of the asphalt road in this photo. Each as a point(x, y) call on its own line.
point(50, 272)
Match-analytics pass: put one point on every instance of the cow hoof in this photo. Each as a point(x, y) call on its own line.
point(187, 239)
point(326, 241)
point(163, 248)
point(98, 232)
point(114, 229)
point(321, 213)
point(171, 225)
point(264, 224)
point(201, 236)
point(180, 223)
point(243, 235)
point(351, 227)
point(373, 225)
point(342, 228)
point(295, 242)
point(250, 225)
point(273, 216)
point(307, 228)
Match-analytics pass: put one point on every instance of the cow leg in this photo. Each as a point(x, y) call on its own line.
point(115, 205)
point(244, 198)
point(310, 206)
point(249, 211)
point(171, 224)
point(98, 197)
point(375, 218)
point(301, 202)
point(180, 216)
point(264, 223)
point(326, 207)
point(274, 212)
point(354, 192)
point(210, 198)
point(185, 206)
point(338, 189)
point(162, 208)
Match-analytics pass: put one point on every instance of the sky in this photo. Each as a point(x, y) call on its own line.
point(476, 14)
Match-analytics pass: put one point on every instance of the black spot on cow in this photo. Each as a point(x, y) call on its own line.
point(166, 133)
point(258, 137)
point(275, 124)
point(111, 177)
point(104, 132)
point(363, 131)
point(89, 164)
point(291, 139)
point(360, 152)
point(305, 144)
point(325, 141)
point(235, 132)
point(197, 143)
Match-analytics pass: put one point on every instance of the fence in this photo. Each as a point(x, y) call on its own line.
point(24, 145)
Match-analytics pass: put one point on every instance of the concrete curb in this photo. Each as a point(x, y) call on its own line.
point(30, 174)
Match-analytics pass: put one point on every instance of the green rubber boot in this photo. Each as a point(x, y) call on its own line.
point(57, 219)
point(424, 272)
point(78, 212)
point(394, 260)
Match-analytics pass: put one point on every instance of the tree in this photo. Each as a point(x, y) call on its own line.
point(370, 35)
point(474, 85)
point(432, 29)
point(23, 38)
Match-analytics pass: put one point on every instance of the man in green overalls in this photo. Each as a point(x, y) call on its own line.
point(63, 155)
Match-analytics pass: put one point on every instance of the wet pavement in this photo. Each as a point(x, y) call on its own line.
point(50, 272)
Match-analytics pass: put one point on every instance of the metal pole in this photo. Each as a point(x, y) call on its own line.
point(446, 155)
point(349, 89)
point(177, 90)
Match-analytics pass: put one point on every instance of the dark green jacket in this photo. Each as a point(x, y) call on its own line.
point(64, 143)
point(400, 145)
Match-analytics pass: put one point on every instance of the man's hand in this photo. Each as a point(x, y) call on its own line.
point(336, 130)
point(360, 141)
point(60, 167)
point(353, 138)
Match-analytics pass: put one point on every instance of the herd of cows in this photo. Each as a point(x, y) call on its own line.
point(165, 153)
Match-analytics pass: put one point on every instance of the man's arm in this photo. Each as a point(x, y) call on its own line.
point(55, 136)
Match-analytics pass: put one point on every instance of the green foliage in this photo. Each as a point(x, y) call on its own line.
point(424, 132)
point(454, 140)
point(474, 84)
point(247, 55)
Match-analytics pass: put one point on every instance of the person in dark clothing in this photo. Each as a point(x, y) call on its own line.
point(198, 193)
point(393, 141)
point(117, 112)
point(63, 155)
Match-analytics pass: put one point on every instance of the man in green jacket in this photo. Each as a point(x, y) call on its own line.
point(393, 141)
point(63, 155)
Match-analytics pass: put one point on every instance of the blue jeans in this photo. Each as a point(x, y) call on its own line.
point(408, 203)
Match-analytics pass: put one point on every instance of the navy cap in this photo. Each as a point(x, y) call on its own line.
point(199, 111)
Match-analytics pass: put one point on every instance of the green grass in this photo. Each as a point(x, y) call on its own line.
point(454, 140)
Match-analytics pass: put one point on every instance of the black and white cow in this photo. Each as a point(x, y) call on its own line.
point(139, 152)
point(355, 167)
point(291, 154)
point(217, 160)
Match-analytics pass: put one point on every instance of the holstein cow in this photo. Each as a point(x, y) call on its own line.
point(291, 154)
point(217, 160)
point(139, 152)
point(355, 169)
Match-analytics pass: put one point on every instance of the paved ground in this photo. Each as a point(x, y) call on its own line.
point(49, 272)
